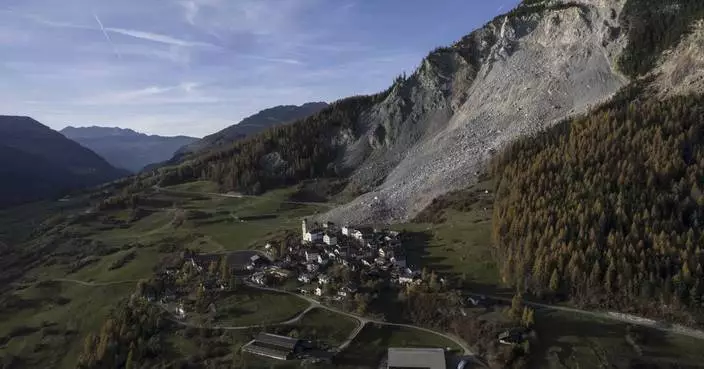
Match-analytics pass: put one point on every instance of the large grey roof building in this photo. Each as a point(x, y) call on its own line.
point(273, 346)
point(407, 358)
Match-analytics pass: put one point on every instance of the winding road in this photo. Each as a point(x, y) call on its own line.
point(315, 304)
point(240, 196)
point(75, 281)
point(364, 321)
point(614, 316)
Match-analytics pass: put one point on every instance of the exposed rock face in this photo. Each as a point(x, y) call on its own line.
point(682, 70)
point(515, 76)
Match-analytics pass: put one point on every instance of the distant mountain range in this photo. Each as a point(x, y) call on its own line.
point(251, 125)
point(38, 162)
point(125, 148)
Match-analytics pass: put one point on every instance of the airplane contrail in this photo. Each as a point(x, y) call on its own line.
point(107, 36)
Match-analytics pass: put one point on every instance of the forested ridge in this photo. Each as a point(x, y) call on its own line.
point(282, 155)
point(608, 209)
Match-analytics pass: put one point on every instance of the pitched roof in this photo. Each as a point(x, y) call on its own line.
point(283, 342)
point(429, 358)
point(266, 351)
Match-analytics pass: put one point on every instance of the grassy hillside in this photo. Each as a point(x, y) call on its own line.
point(43, 318)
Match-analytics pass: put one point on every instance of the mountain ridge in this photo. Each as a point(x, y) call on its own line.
point(126, 148)
point(102, 131)
point(431, 132)
point(252, 124)
point(38, 162)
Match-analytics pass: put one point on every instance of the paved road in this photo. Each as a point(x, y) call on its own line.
point(293, 320)
point(240, 196)
point(364, 321)
point(81, 283)
point(614, 316)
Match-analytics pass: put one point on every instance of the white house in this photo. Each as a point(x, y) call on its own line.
point(407, 276)
point(304, 278)
point(180, 311)
point(323, 279)
point(259, 278)
point(345, 231)
point(313, 237)
point(329, 239)
point(318, 291)
point(405, 279)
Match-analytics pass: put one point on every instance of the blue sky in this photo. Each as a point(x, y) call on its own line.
point(195, 66)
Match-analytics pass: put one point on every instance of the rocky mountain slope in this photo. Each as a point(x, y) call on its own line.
point(432, 131)
point(125, 148)
point(520, 73)
point(527, 70)
point(36, 161)
point(251, 125)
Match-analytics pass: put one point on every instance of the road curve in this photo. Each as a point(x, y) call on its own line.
point(81, 283)
point(613, 316)
point(293, 320)
point(239, 196)
point(364, 321)
point(314, 304)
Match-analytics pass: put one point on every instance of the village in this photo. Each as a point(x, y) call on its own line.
point(326, 257)
point(325, 265)
point(327, 261)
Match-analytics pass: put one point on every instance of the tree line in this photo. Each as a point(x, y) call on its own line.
point(608, 208)
point(129, 338)
point(282, 155)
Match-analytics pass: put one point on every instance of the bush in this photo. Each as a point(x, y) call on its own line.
point(122, 261)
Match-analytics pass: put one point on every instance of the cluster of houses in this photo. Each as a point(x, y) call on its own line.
point(314, 261)
point(372, 251)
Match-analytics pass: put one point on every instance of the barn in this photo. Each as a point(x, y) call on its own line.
point(274, 346)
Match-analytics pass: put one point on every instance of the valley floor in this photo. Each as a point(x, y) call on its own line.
point(65, 281)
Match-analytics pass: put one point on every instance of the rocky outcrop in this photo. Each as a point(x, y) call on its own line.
point(519, 74)
point(681, 70)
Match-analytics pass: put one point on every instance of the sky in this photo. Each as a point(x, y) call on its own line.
point(193, 67)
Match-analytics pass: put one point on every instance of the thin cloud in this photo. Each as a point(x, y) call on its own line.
point(142, 35)
point(273, 60)
point(52, 23)
point(155, 37)
point(107, 36)
point(191, 9)
point(125, 97)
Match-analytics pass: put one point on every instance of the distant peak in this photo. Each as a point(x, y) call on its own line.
point(98, 131)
